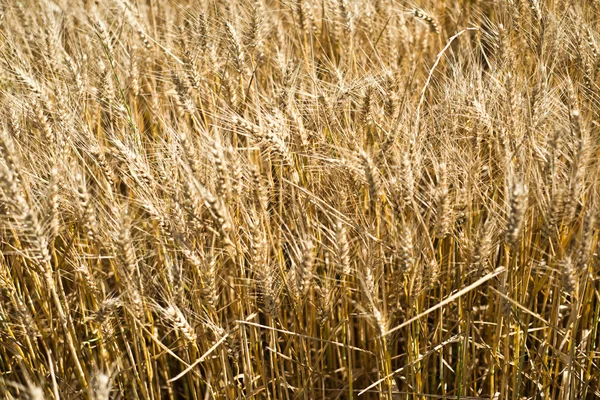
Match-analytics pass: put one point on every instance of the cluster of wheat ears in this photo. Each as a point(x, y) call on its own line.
point(299, 199)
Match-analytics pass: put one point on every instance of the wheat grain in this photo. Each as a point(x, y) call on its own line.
point(299, 199)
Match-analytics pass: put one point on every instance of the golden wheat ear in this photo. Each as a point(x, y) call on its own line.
point(427, 18)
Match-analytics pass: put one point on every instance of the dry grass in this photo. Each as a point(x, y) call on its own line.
point(299, 199)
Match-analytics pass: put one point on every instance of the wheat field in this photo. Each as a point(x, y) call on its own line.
point(299, 199)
